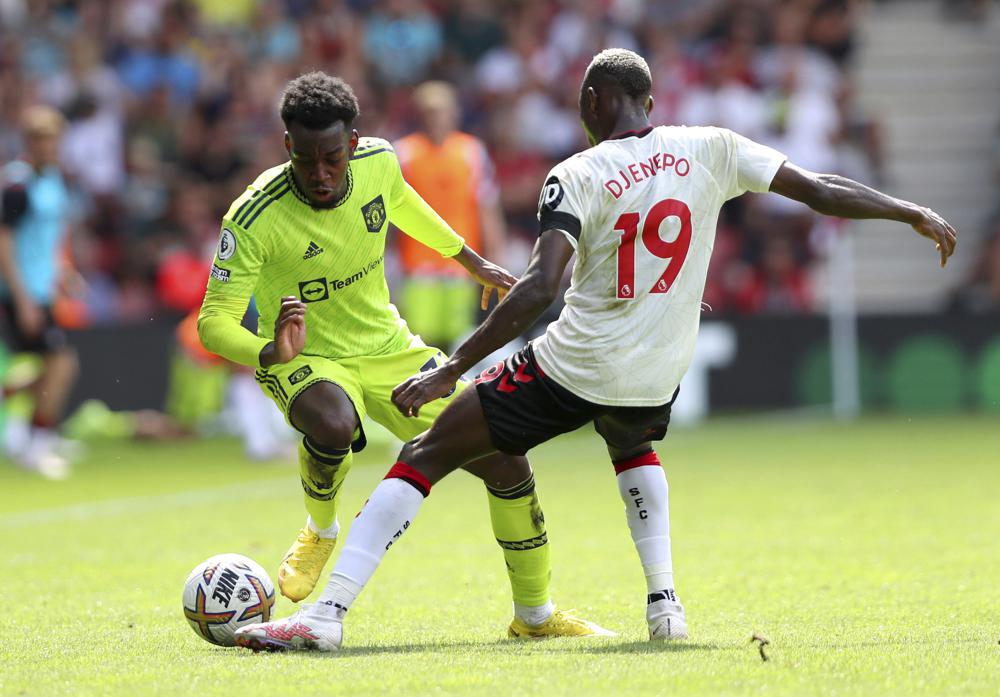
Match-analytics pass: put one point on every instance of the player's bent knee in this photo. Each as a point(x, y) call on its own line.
point(500, 470)
point(325, 414)
point(333, 431)
point(411, 452)
point(422, 455)
point(619, 453)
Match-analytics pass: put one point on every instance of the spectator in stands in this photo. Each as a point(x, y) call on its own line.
point(165, 59)
point(402, 41)
point(163, 92)
point(35, 215)
point(452, 171)
point(725, 98)
point(471, 29)
point(778, 285)
point(519, 172)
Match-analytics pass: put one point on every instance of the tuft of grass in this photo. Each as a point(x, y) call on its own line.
point(865, 553)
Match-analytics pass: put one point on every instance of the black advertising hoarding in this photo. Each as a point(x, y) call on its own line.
point(907, 363)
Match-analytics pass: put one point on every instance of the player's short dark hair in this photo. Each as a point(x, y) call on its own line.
point(317, 101)
point(625, 68)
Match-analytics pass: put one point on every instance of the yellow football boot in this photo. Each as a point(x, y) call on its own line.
point(561, 623)
point(304, 562)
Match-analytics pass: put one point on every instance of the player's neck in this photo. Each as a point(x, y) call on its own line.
point(628, 122)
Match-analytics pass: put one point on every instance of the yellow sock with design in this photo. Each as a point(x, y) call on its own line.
point(519, 526)
point(322, 471)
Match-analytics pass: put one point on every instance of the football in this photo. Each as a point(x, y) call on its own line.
point(224, 593)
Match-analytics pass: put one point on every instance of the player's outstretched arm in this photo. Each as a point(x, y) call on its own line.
point(289, 333)
point(831, 194)
point(523, 305)
point(414, 217)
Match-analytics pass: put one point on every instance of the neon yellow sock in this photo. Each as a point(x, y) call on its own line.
point(519, 526)
point(322, 472)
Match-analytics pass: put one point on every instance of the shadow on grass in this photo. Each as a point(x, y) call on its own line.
point(592, 646)
point(429, 647)
point(643, 647)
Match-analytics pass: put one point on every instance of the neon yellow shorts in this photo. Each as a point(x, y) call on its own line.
point(368, 382)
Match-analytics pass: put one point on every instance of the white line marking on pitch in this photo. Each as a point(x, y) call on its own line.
point(129, 505)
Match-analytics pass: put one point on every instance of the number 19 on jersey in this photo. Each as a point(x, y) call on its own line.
point(675, 252)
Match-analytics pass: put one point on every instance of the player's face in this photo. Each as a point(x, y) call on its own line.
point(319, 160)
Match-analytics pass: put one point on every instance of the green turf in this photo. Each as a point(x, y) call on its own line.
point(868, 555)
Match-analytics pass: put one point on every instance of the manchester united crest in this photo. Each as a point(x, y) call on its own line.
point(374, 213)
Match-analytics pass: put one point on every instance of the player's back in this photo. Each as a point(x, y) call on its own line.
point(643, 208)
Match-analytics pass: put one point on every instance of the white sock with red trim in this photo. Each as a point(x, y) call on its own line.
point(388, 513)
point(643, 488)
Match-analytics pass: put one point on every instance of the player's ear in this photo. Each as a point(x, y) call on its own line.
point(592, 100)
point(354, 139)
point(288, 144)
point(649, 105)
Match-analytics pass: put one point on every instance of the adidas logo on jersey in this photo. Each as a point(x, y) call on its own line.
point(313, 250)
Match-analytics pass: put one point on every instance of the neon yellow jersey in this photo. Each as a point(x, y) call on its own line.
point(274, 244)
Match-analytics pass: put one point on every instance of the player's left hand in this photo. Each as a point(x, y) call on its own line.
point(491, 276)
point(934, 227)
point(418, 390)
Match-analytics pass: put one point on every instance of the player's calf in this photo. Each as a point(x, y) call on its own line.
point(322, 472)
point(642, 485)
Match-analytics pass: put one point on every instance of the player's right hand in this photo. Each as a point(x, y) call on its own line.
point(418, 390)
point(289, 329)
point(934, 227)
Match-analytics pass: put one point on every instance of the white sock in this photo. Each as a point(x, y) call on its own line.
point(534, 615)
point(388, 513)
point(644, 491)
point(329, 533)
point(43, 436)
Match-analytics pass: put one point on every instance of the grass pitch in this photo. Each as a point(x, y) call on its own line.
point(867, 554)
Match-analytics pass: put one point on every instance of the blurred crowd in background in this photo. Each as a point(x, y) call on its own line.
point(158, 113)
point(171, 111)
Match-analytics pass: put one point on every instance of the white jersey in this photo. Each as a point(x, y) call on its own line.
point(641, 210)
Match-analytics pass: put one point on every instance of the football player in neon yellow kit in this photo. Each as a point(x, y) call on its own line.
point(307, 240)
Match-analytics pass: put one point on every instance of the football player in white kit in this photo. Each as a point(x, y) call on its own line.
point(639, 209)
